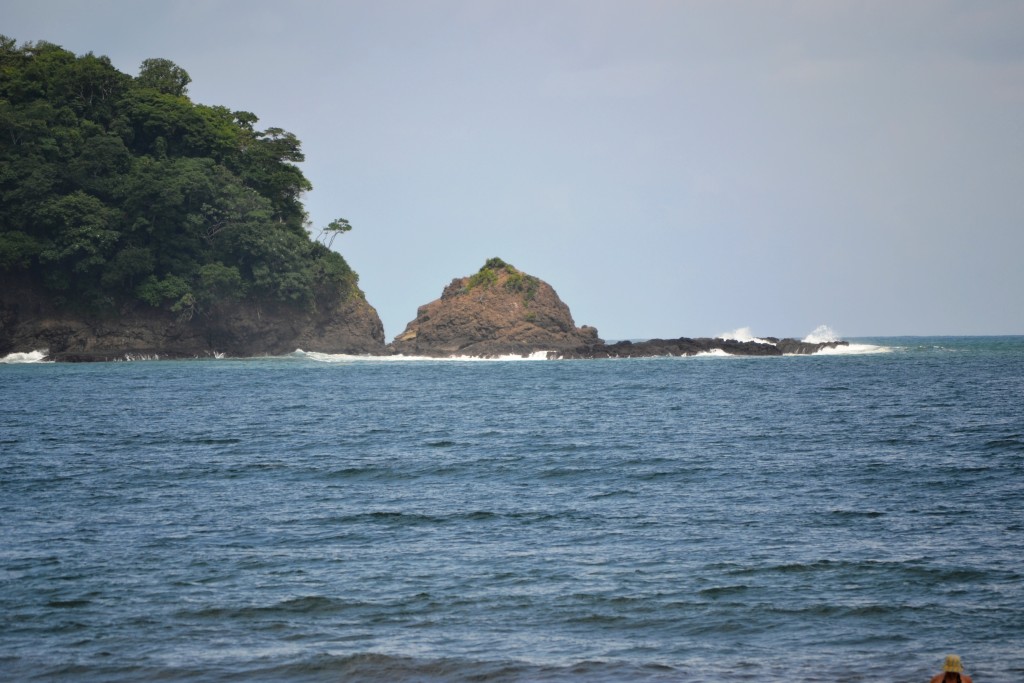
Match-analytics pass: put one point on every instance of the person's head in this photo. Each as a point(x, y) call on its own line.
point(952, 665)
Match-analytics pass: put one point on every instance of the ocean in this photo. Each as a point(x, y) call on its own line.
point(851, 516)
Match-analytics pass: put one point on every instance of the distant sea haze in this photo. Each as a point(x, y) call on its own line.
point(849, 515)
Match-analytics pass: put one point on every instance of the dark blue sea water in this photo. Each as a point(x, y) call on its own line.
point(839, 517)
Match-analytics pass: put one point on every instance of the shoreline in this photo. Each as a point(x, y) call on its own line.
point(651, 348)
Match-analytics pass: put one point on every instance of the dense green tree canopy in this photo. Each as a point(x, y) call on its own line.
point(163, 75)
point(116, 189)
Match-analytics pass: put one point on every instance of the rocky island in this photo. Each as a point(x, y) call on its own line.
point(497, 311)
point(500, 311)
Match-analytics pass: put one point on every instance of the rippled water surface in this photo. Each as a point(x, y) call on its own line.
point(843, 517)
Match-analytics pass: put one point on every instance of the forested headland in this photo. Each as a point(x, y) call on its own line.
point(119, 195)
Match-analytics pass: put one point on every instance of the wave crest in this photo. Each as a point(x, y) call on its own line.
point(743, 334)
point(821, 335)
point(38, 356)
point(348, 358)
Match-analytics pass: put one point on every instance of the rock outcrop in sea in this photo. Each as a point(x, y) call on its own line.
point(502, 311)
point(495, 312)
point(30, 320)
point(685, 346)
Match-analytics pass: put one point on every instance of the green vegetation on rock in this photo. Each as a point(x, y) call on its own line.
point(117, 190)
point(515, 280)
point(520, 282)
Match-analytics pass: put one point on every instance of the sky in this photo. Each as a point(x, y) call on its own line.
point(671, 168)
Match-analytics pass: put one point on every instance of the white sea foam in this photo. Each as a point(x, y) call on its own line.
point(852, 350)
point(349, 358)
point(743, 334)
point(719, 353)
point(536, 355)
point(26, 357)
point(821, 334)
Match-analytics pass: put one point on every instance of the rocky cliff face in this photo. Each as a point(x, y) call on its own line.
point(29, 321)
point(498, 311)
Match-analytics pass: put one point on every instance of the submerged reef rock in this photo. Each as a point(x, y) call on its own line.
point(684, 346)
point(30, 320)
point(496, 312)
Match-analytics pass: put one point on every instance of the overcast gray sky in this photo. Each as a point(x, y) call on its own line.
point(672, 168)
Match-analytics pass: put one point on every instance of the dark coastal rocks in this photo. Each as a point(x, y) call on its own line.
point(497, 311)
point(796, 347)
point(685, 346)
point(30, 321)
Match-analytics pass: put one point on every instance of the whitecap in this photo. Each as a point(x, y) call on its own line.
point(337, 357)
point(821, 335)
point(352, 358)
point(824, 334)
point(38, 356)
point(718, 353)
point(536, 355)
point(852, 350)
point(743, 334)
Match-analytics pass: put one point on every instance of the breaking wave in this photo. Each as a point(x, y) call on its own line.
point(743, 334)
point(821, 334)
point(350, 358)
point(38, 356)
point(853, 349)
point(720, 353)
point(824, 333)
